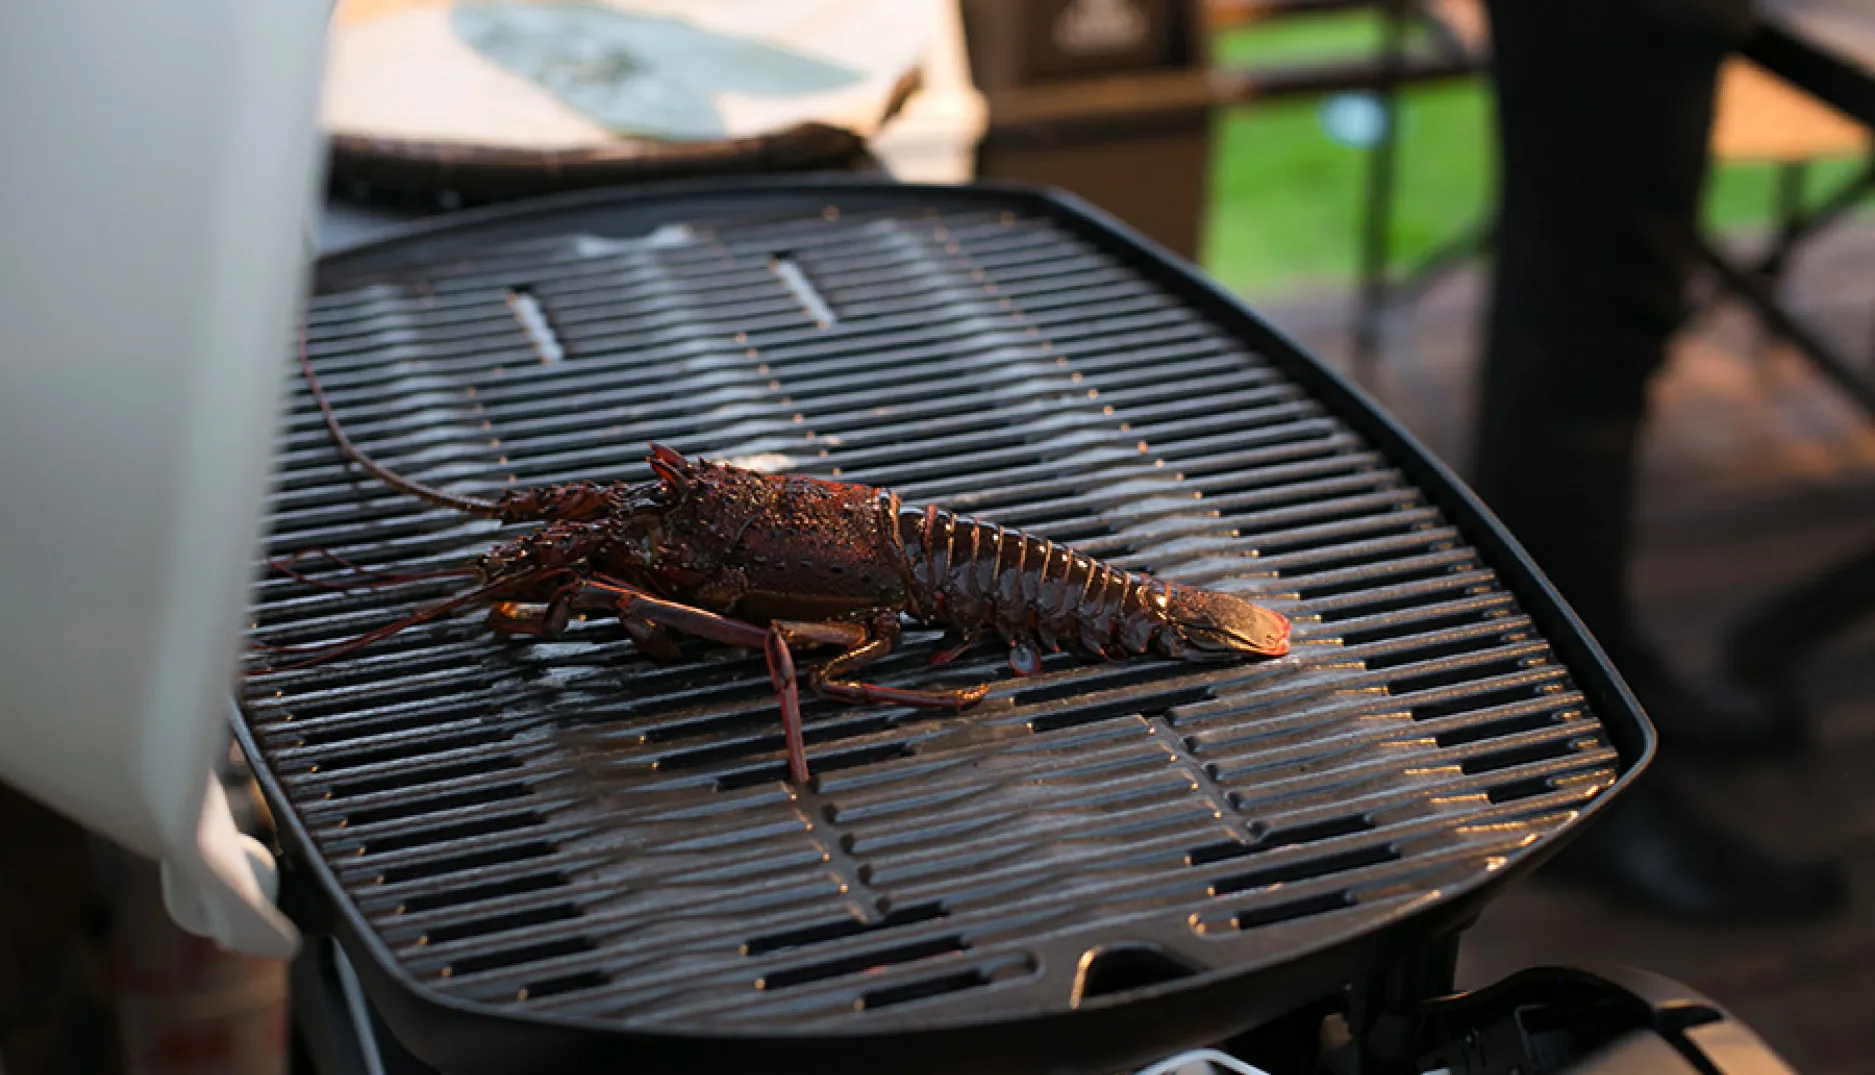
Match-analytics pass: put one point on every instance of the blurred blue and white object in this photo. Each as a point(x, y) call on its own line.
point(571, 76)
point(650, 76)
point(1354, 119)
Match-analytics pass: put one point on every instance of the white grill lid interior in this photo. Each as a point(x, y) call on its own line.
point(153, 213)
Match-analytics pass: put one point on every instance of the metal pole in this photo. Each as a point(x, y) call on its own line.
point(1788, 206)
point(1382, 161)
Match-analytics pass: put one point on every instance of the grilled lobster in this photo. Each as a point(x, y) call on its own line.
point(775, 562)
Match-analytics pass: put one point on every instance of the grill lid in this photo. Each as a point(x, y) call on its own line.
point(566, 845)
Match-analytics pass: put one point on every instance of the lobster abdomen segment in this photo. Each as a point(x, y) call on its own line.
point(977, 576)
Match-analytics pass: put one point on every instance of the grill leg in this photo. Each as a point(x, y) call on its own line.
point(1385, 1013)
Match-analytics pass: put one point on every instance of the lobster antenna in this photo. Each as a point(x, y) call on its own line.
point(318, 654)
point(469, 505)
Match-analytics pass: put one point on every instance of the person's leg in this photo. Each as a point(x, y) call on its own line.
point(1602, 120)
point(1603, 113)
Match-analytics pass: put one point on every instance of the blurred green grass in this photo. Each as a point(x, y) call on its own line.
point(1286, 200)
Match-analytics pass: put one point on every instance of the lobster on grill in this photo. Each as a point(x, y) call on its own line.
point(774, 562)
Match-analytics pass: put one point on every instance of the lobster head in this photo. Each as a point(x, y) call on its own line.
point(1204, 625)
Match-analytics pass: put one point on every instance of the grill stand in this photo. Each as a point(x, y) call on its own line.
point(1405, 1018)
point(1543, 1021)
point(1386, 1012)
point(336, 1030)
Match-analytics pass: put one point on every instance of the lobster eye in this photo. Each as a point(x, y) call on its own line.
point(520, 505)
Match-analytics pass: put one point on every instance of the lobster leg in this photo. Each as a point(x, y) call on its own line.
point(870, 645)
point(953, 651)
point(863, 644)
point(318, 654)
point(549, 619)
point(631, 603)
point(535, 620)
point(781, 674)
point(651, 639)
point(634, 604)
point(788, 693)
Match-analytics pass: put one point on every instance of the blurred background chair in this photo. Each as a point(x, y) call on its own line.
point(1804, 91)
point(1411, 43)
point(1125, 105)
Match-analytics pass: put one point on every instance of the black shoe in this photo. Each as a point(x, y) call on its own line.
point(1736, 724)
point(1651, 850)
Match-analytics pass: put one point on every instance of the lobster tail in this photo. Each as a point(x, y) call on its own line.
point(975, 576)
point(1207, 625)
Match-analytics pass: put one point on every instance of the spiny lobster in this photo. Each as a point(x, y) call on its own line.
point(772, 562)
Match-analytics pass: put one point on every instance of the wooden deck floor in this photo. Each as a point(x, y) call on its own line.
point(1756, 473)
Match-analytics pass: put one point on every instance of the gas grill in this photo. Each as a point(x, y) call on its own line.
point(560, 856)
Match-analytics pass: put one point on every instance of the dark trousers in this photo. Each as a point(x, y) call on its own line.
point(1603, 112)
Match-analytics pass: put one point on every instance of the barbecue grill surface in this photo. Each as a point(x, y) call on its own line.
point(551, 850)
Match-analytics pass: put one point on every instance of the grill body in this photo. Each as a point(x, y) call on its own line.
point(548, 854)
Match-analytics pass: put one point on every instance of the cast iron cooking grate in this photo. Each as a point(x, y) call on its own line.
point(568, 828)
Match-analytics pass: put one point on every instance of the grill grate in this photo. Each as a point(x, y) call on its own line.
point(567, 828)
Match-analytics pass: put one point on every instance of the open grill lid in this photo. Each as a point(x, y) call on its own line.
point(542, 851)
